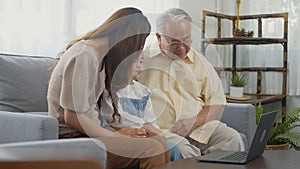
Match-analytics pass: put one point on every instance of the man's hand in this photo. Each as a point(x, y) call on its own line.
point(184, 127)
point(133, 132)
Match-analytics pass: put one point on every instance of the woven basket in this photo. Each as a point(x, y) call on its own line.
point(277, 147)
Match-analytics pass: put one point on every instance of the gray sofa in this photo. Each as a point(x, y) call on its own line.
point(46, 153)
point(23, 103)
point(27, 133)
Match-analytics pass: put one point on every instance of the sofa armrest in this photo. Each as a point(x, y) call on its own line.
point(19, 127)
point(241, 117)
point(75, 149)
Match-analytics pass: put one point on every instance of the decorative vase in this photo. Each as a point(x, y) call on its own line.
point(238, 7)
point(284, 146)
point(236, 91)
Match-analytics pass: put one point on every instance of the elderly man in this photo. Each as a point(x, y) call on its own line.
point(187, 94)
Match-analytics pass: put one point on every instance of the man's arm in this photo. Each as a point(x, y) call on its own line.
point(185, 127)
point(208, 113)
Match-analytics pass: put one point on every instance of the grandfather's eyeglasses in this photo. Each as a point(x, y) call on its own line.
point(175, 43)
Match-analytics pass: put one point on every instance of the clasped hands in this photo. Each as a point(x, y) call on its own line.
point(143, 132)
point(183, 127)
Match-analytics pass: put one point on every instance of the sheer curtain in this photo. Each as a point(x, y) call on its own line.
point(36, 27)
point(32, 26)
point(274, 28)
point(98, 11)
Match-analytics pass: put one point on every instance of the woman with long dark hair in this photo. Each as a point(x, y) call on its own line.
point(78, 80)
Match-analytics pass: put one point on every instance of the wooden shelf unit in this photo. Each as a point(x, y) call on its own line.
point(257, 97)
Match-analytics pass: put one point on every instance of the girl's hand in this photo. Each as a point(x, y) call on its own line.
point(133, 132)
point(152, 130)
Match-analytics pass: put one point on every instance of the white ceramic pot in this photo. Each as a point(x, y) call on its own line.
point(236, 91)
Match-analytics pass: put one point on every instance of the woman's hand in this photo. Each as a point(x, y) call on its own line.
point(133, 132)
point(143, 132)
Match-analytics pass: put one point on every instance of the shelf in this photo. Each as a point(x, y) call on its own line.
point(244, 41)
point(252, 69)
point(256, 98)
point(259, 38)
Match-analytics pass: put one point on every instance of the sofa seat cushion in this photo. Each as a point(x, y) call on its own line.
point(22, 127)
point(24, 82)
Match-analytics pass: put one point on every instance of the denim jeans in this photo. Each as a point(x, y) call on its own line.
point(174, 151)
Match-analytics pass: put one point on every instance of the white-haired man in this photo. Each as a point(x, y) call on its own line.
point(187, 94)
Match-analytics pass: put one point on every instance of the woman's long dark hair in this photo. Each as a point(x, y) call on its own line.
point(127, 30)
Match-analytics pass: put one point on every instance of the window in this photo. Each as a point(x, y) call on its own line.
point(36, 27)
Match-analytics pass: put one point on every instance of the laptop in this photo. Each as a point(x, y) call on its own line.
point(256, 149)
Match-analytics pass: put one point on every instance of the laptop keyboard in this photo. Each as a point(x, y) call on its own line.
point(237, 156)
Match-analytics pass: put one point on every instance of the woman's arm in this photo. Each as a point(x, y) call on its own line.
point(85, 125)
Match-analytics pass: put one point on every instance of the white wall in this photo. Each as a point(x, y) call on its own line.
point(195, 7)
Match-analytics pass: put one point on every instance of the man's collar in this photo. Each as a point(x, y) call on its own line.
point(189, 56)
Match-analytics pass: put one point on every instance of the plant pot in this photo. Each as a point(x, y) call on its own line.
point(236, 91)
point(284, 146)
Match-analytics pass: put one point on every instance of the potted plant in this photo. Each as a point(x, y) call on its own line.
point(259, 111)
point(237, 85)
point(284, 132)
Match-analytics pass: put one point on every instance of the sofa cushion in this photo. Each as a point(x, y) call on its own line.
point(20, 127)
point(24, 82)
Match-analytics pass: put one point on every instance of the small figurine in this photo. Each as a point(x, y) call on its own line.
point(242, 33)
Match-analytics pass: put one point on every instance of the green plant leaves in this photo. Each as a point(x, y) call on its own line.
point(259, 110)
point(292, 138)
point(238, 80)
point(282, 132)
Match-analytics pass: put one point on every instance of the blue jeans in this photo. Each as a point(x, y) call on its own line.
point(174, 151)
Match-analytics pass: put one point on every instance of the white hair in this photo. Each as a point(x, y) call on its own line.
point(174, 15)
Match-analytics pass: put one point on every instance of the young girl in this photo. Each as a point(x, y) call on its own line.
point(127, 104)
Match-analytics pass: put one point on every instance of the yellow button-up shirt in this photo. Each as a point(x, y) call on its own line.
point(180, 88)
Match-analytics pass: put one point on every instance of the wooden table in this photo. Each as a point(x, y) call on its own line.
point(271, 159)
point(49, 165)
